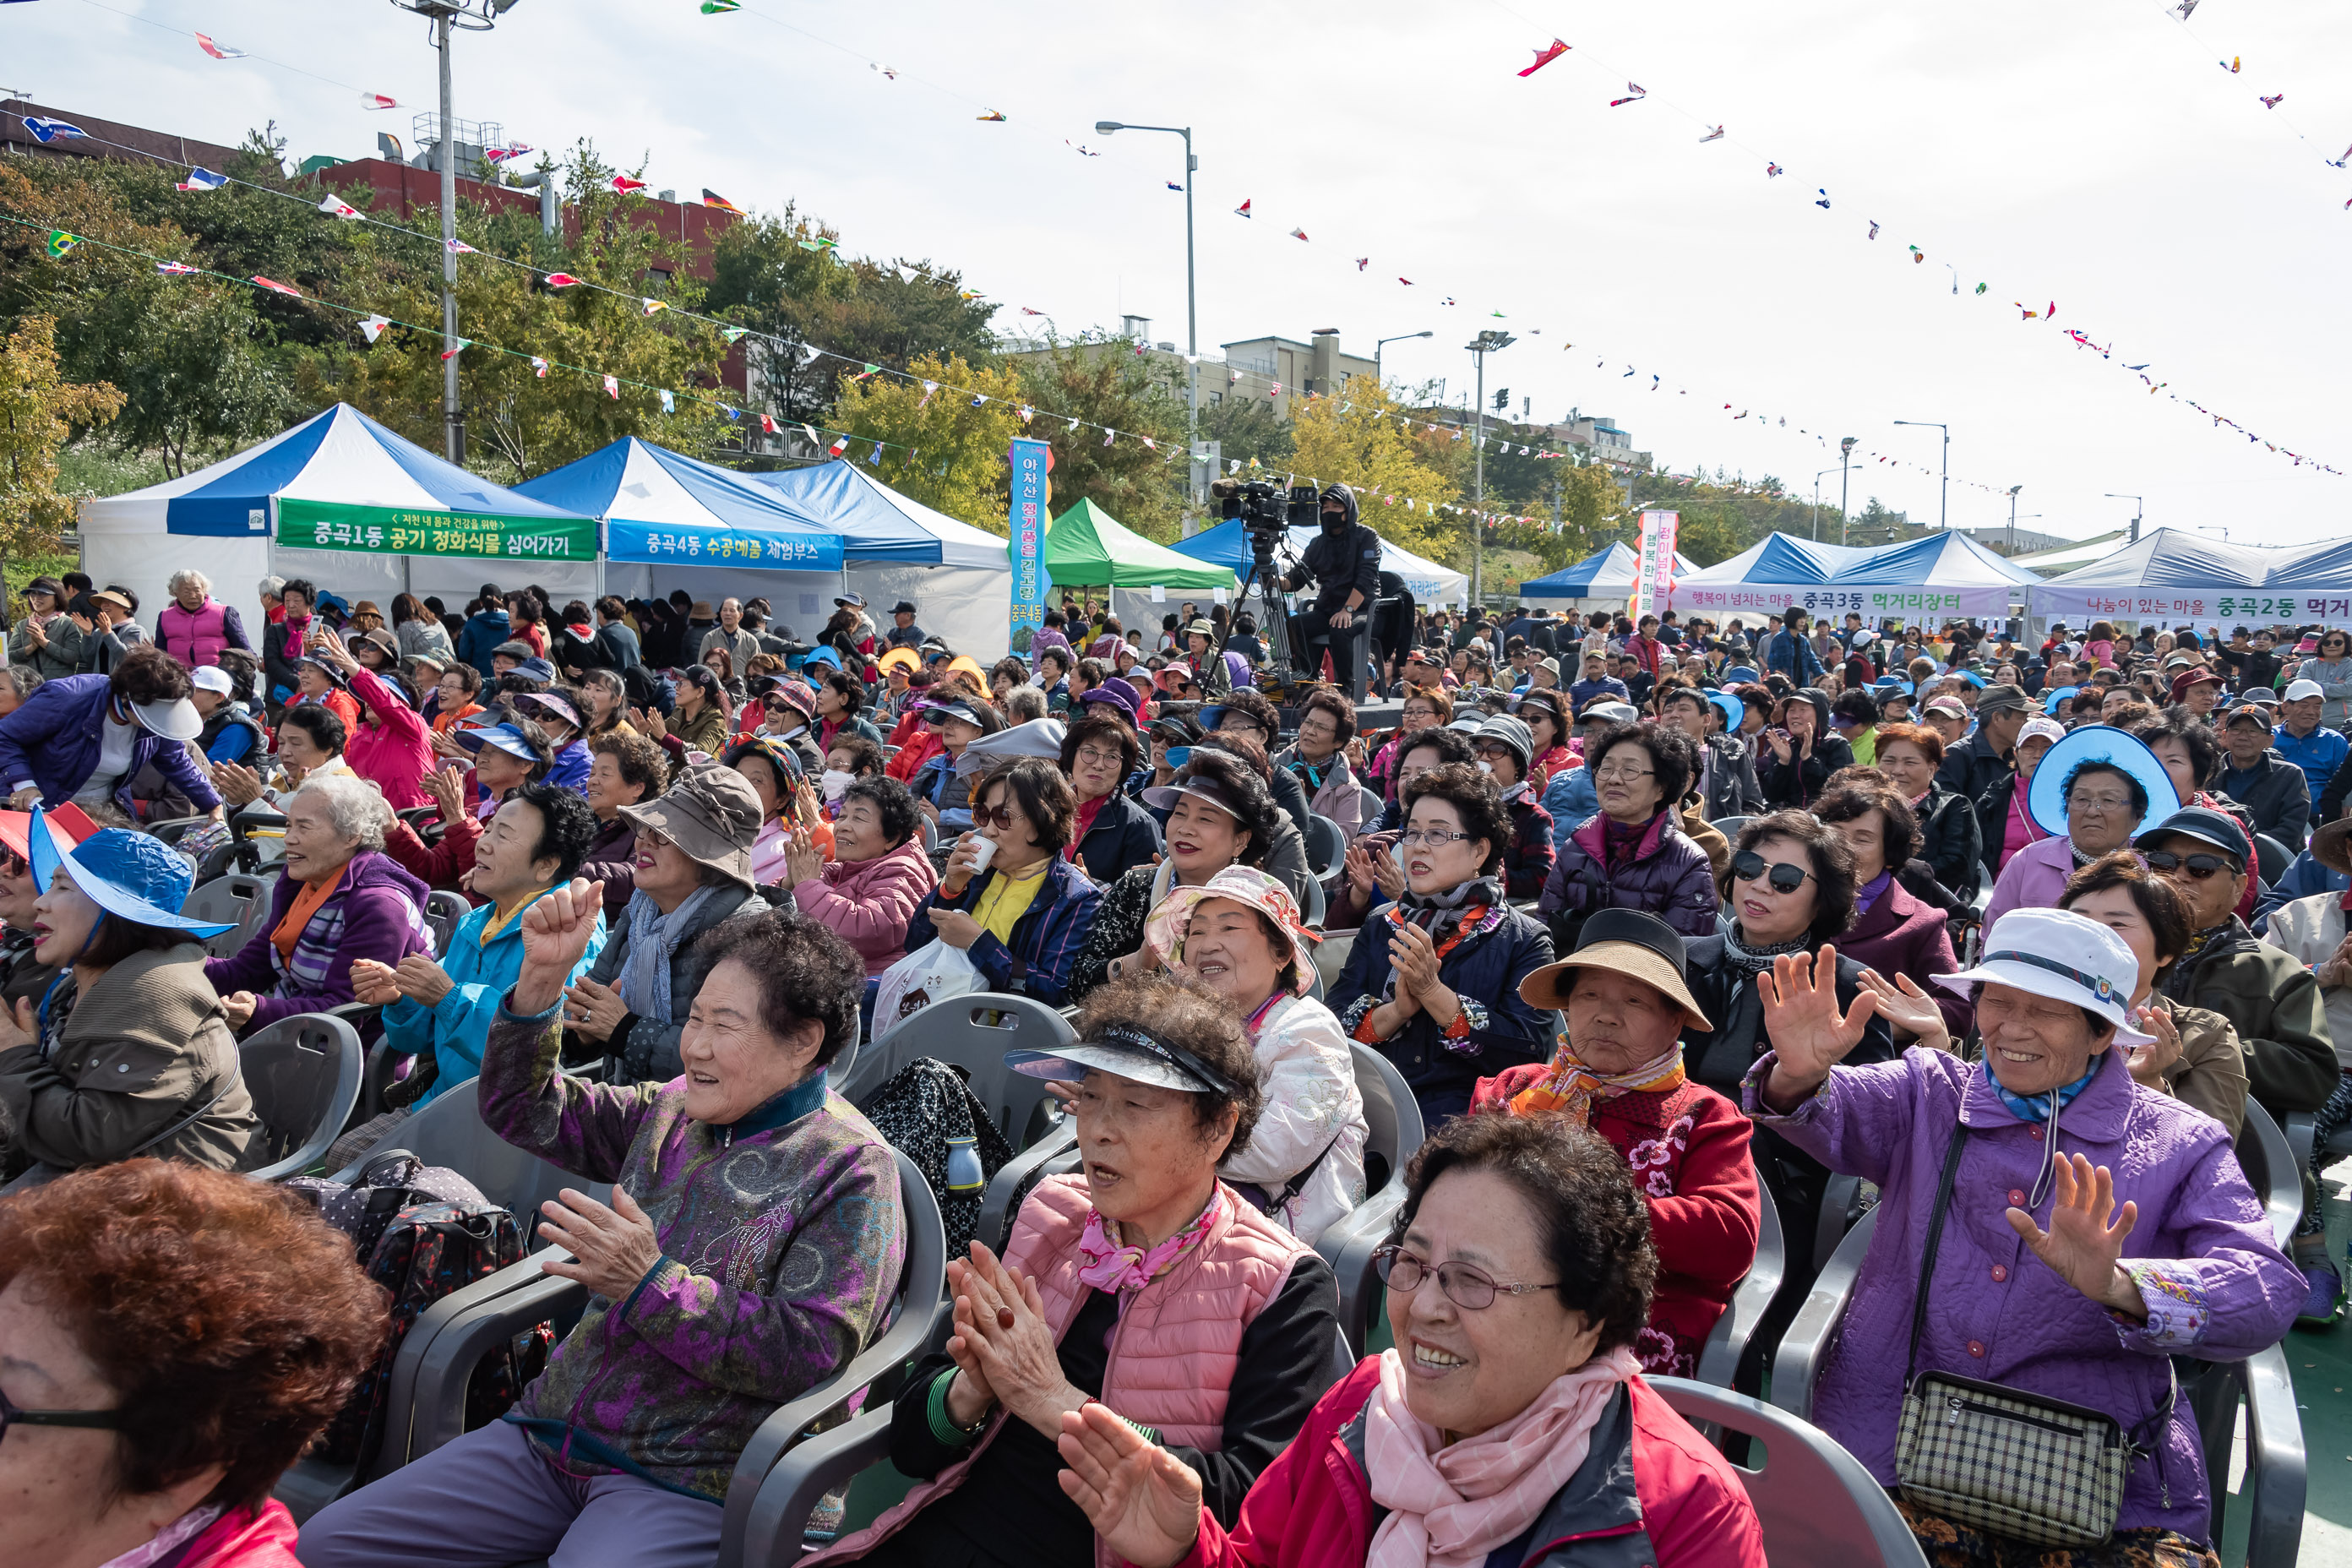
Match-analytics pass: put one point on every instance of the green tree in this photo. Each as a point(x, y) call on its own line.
point(1249, 429)
point(1359, 438)
point(1139, 476)
point(946, 452)
point(38, 409)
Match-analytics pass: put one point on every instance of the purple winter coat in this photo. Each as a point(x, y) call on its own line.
point(54, 737)
point(378, 912)
point(1669, 877)
point(2216, 1286)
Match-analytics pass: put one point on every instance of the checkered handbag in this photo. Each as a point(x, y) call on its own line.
point(2002, 1460)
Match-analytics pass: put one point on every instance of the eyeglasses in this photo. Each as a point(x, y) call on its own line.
point(1233, 724)
point(1430, 837)
point(1096, 756)
point(1002, 818)
point(1621, 775)
point(2099, 802)
point(2203, 868)
point(1747, 866)
point(1464, 1285)
point(11, 1416)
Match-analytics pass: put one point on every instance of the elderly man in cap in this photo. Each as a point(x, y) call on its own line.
point(693, 875)
point(2301, 739)
point(1598, 684)
point(904, 632)
point(84, 738)
point(1983, 760)
point(2273, 791)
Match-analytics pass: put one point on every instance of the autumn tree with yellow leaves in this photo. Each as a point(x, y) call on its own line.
point(38, 410)
point(939, 447)
point(1360, 438)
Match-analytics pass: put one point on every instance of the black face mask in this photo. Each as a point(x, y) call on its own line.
point(1334, 521)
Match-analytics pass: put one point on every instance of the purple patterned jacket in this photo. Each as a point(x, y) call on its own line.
point(782, 1239)
point(2216, 1286)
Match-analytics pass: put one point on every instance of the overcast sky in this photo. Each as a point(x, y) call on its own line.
point(2096, 155)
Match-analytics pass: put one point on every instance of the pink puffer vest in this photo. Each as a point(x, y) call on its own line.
point(193, 639)
point(1173, 1353)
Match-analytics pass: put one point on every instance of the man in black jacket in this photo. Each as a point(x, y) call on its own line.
point(1344, 564)
point(2261, 781)
point(1983, 760)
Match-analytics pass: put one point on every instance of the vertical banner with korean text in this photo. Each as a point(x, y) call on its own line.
point(1032, 489)
point(1653, 573)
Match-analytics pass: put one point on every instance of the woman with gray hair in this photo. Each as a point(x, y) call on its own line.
point(195, 626)
point(341, 900)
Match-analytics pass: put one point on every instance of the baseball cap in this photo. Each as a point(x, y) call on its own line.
point(2297, 690)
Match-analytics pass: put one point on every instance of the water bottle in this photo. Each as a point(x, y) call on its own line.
point(963, 1166)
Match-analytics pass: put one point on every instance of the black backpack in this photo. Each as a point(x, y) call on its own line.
point(926, 1103)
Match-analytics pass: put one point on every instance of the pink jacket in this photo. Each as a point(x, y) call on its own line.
point(1173, 1353)
point(395, 753)
point(868, 902)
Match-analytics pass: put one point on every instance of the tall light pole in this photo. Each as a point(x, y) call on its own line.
point(1944, 508)
point(1195, 468)
point(1817, 501)
point(2137, 510)
point(1845, 479)
point(1482, 345)
point(1377, 373)
point(2012, 517)
point(474, 17)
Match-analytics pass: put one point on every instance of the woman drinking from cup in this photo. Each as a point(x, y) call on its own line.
point(1007, 898)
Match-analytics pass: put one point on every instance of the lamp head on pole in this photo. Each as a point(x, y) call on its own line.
point(1845, 446)
point(1105, 127)
point(474, 15)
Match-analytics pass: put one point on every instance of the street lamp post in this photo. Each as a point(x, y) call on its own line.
point(1817, 501)
point(1943, 506)
point(1482, 345)
point(1845, 478)
point(2137, 510)
point(1378, 374)
point(2012, 517)
point(1194, 467)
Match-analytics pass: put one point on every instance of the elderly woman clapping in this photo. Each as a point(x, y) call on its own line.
point(2091, 1229)
point(779, 1244)
point(1509, 1424)
point(1144, 1284)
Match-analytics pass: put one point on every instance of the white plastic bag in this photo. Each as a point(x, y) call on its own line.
point(932, 973)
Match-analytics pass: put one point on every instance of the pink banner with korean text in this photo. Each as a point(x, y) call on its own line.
point(2219, 603)
point(1874, 604)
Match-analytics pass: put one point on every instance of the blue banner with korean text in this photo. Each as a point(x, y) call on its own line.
point(1032, 463)
point(673, 545)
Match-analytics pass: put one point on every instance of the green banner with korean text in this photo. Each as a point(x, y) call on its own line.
point(403, 530)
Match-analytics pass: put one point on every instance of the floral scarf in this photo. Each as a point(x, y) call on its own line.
point(1755, 961)
point(1570, 1086)
point(1439, 913)
point(1105, 1264)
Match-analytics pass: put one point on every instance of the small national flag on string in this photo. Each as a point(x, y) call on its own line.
point(819, 243)
point(653, 305)
point(377, 101)
point(978, 398)
point(807, 430)
point(612, 388)
point(720, 7)
point(335, 207)
point(458, 248)
point(668, 403)
point(45, 130)
point(561, 281)
point(712, 198)
point(767, 425)
point(60, 242)
point(1406, 281)
point(875, 457)
point(930, 388)
point(1027, 312)
point(624, 185)
point(275, 287)
point(1773, 170)
point(1874, 228)
point(1823, 203)
point(1243, 210)
point(1634, 92)
point(733, 335)
point(1714, 133)
point(175, 270)
point(202, 179)
point(1150, 444)
point(373, 327)
point(218, 51)
point(1299, 233)
point(840, 445)
point(1174, 187)
point(1026, 413)
point(454, 350)
point(501, 154)
point(539, 367)
point(1110, 436)
point(1545, 56)
point(991, 114)
point(2274, 101)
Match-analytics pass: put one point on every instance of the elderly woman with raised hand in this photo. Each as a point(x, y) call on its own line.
point(693, 877)
point(1234, 1316)
point(753, 1244)
point(1509, 1424)
point(341, 900)
point(2091, 792)
point(1433, 981)
point(1318, 760)
point(2073, 1231)
point(1632, 854)
point(393, 746)
point(135, 1055)
point(171, 1339)
point(1895, 936)
point(1240, 934)
point(1220, 815)
point(868, 893)
point(1018, 910)
point(1799, 752)
point(1909, 755)
point(1618, 1069)
point(1114, 833)
point(85, 738)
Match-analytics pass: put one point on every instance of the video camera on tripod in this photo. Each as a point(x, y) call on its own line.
point(1267, 511)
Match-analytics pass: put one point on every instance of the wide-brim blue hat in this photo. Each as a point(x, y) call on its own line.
point(505, 737)
point(2046, 800)
point(134, 875)
point(2052, 699)
point(822, 656)
point(1735, 712)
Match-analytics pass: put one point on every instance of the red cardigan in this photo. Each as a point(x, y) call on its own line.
point(1689, 1153)
point(1312, 1508)
point(1902, 935)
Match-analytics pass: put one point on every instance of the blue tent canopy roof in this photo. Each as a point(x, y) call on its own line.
point(1606, 573)
point(875, 522)
point(665, 508)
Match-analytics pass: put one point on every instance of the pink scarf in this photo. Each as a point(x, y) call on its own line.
point(1106, 1265)
point(1451, 1505)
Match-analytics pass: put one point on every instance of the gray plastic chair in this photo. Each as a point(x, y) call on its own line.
point(2272, 1170)
point(1814, 1500)
point(1393, 1119)
point(1327, 845)
point(1369, 806)
point(974, 1032)
point(443, 911)
point(1726, 1342)
point(1729, 828)
point(2274, 857)
point(237, 898)
point(303, 1073)
point(1315, 906)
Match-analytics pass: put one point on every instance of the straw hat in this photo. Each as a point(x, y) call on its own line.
point(1630, 942)
point(712, 815)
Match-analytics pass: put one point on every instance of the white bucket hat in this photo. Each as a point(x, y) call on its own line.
point(2064, 956)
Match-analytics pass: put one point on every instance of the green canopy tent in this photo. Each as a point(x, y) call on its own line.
point(1086, 547)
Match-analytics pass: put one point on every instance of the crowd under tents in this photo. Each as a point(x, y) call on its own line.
point(1925, 580)
point(1227, 545)
point(1601, 581)
point(1087, 548)
point(2174, 578)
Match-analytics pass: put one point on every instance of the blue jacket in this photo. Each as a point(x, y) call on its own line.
point(483, 631)
point(2319, 754)
point(454, 1028)
point(1047, 941)
point(53, 739)
point(1572, 800)
point(1484, 969)
point(570, 770)
point(1793, 656)
point(2302, 879)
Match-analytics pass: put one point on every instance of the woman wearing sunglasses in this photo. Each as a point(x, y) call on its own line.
point(1896, 936)
point(2332, 668)
point(1019, 910)
point(1545, 714)
point(1519, 1280)
point(1632, 853)
point(1790, 887)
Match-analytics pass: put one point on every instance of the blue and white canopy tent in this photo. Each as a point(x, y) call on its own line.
point(1227, 545)
point(1925, 579)
point(1602, 580)
point(2172, 578)
point(343, 500)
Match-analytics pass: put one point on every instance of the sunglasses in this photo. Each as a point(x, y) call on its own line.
point(2203, 868)
point(1000, 817)
point(1747, 866)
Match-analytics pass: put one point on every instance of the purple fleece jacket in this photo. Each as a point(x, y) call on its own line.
point(377, 912)
point(2216, 1284)
point(782, 1240)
